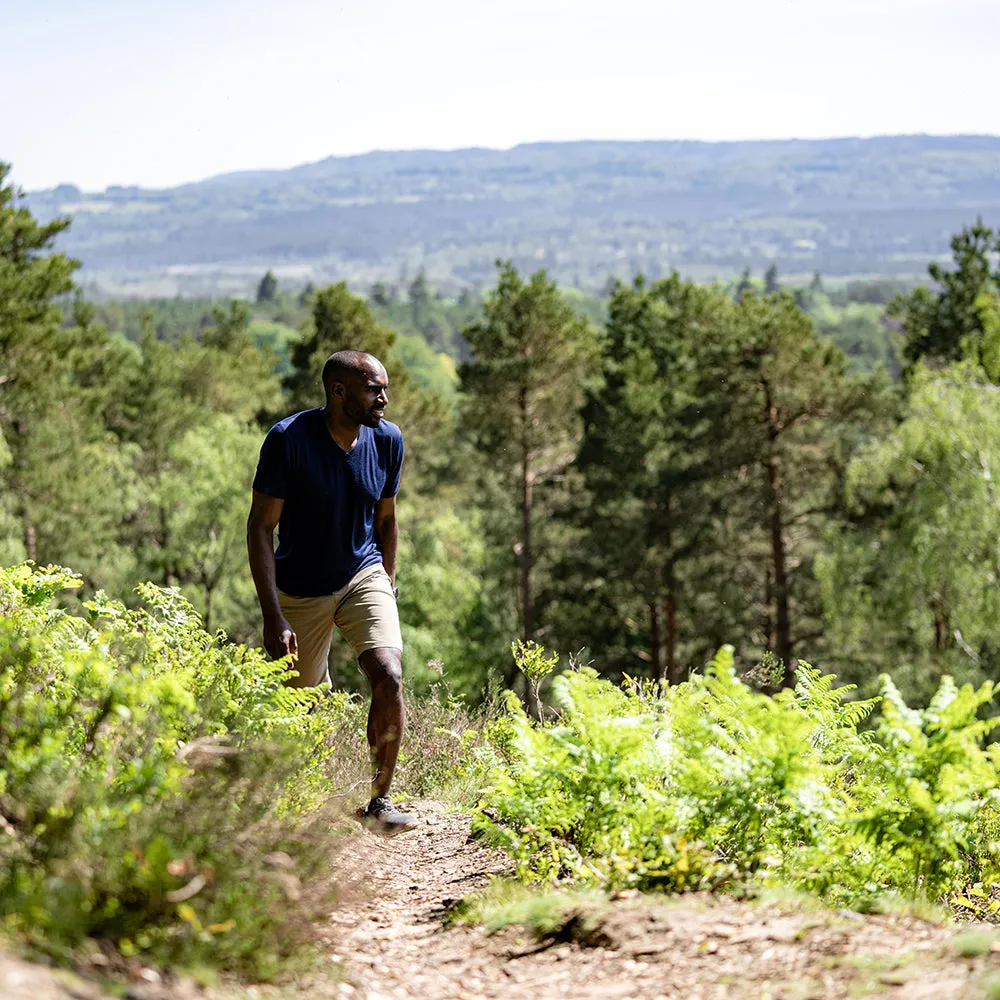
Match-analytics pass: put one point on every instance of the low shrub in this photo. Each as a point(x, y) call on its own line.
point(159, 788)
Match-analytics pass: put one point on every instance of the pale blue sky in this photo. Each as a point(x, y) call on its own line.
point(153, 93)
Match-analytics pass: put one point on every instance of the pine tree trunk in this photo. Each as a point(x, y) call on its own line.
point(673, 667)
point(169, 576)
point(527, 555)
point(656, 646)
point(527, 552)
point(768, 606)
point(782, 625)
point(942, 629)
point(30, 539)
point(30, 535)
point(663, 638)
point(779, 562)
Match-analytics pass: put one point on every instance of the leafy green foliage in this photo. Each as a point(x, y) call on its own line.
point(534, 664)
point(202, 493)
point(710, 783)
point(940, 784)
point(860, 329)
point(945, 326)
point(157, 788)
point(441, 596)
point(910, 582)
point(426, 315)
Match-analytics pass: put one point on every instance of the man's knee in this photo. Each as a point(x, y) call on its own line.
point(384, 670)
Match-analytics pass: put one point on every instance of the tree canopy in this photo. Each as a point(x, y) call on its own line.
point(636, 480)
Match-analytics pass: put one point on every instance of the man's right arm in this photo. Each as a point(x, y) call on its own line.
point(279, 639)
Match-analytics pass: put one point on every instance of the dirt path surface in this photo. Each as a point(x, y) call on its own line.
point(389, 940)
point(694, 947)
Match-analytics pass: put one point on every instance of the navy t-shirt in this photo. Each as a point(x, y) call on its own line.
point(326, 531)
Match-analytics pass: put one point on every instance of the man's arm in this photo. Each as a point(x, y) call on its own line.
point(279, 639)
point(387, 534)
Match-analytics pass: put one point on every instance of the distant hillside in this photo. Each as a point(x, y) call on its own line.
point(583, 210)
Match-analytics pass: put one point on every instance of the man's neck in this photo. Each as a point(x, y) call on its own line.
point(344, 431)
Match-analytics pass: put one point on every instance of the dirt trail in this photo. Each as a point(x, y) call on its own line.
point(388, 940)
point(693, 947)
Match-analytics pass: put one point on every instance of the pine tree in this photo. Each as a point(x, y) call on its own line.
point(653, 473)
point(795, 413)
point(33, 354)
point(941, 326)
point(745, 284)
point(267, 288)
point(532, 358)
point(308, 290)
point(419, 292)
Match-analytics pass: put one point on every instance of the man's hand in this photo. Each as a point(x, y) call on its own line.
point(279, 639)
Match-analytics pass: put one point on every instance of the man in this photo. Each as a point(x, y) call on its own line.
point(327, 479)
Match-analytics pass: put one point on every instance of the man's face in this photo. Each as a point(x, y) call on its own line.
point(366, 396)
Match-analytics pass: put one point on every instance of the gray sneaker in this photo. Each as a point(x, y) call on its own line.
point(381, 815)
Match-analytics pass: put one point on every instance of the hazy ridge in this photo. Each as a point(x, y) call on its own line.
point(583, 210)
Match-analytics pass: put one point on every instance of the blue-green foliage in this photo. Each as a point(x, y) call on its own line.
point(712, 783)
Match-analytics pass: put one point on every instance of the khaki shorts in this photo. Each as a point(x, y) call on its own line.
point(364, 610)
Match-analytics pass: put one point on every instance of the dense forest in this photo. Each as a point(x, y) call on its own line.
point(583, 211)
point(636, 480)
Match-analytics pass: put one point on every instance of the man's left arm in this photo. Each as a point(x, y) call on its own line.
point(387, 534)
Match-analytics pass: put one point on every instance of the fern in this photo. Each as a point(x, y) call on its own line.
point(716, 783)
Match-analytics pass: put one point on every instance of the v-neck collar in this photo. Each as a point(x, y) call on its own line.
point(339, 449)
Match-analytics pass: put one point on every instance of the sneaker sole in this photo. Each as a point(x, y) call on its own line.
point(374, 825)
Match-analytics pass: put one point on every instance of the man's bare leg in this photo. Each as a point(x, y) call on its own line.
point(386, 722)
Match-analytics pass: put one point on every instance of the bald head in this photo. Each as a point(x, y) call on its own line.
point(355, 383)
point(345, 364)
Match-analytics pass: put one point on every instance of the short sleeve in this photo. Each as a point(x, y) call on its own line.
point(272, 475)
point(395, 469)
